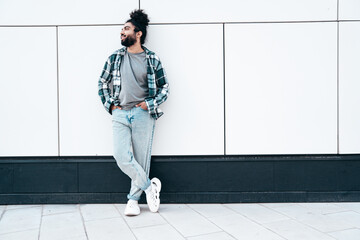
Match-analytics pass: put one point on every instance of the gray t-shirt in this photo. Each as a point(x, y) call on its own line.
point(134, 85)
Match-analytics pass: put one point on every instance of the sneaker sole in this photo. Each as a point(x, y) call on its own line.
point(131, 214)
point(157, 183)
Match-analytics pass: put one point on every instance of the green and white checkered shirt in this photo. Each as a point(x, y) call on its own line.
point(156, 76)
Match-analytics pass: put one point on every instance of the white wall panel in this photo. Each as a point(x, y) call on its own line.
point(193, 123)
point(281, 88)
point(61, 12)
point(85, 125)
point(349, 10)
point(28, 100)
point(187, 11)
point(349, 87)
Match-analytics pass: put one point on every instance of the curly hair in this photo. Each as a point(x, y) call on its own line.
point(140, 20)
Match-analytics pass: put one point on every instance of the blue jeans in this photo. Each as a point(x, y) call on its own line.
point(133, 132)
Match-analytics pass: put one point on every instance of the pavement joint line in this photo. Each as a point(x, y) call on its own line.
point(303, 223)
point(209, 219)
point(41, 217)
point(260, 224)
point(26, 230)
point(82, 221)
point(3, 212)
point(172, 225)
point(205, 234)
point(123, 217)
point(343, 230)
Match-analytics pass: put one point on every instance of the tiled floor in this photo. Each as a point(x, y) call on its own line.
point(303, 221)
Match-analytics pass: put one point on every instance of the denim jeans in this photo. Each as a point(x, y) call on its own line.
point(133, 132)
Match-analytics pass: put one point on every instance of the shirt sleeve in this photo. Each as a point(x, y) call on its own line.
point(162, 90)
point(103, 85)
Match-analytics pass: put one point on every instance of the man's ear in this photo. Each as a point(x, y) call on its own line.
point(139, 34)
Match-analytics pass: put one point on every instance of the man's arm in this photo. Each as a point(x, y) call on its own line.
point(103, 86)
point(162, 91)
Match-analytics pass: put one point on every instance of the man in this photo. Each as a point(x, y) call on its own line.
point(139, 87)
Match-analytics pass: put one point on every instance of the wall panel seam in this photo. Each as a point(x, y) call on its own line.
point(224, 90)
point(57, 86)
point(337, 81)
point(177, 23)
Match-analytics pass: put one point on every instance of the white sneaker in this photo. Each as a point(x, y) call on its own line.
point(132, 208)
point(153, 196)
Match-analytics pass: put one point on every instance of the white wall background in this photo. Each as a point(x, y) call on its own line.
point(246, 77)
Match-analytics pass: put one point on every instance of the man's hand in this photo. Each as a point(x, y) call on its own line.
point(113, 107)
point(142, 105)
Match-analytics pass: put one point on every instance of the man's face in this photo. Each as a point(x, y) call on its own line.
point(128, 35)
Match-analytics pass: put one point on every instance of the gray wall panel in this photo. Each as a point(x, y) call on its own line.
point(85, 125)
point(65, 12)
point(349, 87)
point(188, 11)
point(28, 101)
point(193, 123)
point(281, 88)
point(349, 10)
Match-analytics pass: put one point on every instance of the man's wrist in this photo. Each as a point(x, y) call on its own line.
point(112, 107)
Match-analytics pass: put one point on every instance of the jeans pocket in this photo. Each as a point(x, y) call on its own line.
point(147, 111)
point(115, 110)
point(142, 109)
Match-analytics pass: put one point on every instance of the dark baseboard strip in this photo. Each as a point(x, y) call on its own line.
point(186, 179)
point(185, 158)
point(172, 198)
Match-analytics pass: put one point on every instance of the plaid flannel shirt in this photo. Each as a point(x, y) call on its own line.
point(156, 76)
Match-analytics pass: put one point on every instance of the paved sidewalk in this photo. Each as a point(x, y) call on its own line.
point(303, 221)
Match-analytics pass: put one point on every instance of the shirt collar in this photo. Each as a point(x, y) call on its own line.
point(124, 50)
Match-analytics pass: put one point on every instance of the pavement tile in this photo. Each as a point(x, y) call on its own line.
point(241, 227)
point(28, 235)
point(62, 226)
point(59, 208)
point(350, 217)
point(353, 206)
point(108, 229)
point(325, 223)
point(296, 212)
point(211, 210)
point(310, 214)
point(10, 207)
point(20, 219)
point(213, 236)
point(276, 205)
point(187, 221)
point(349, 234)
point(160, 232)
point(98, 211)
point(257, 213)
point(291, 229)
point(323, 208)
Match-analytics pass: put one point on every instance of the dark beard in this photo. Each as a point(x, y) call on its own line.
point(128, 41)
